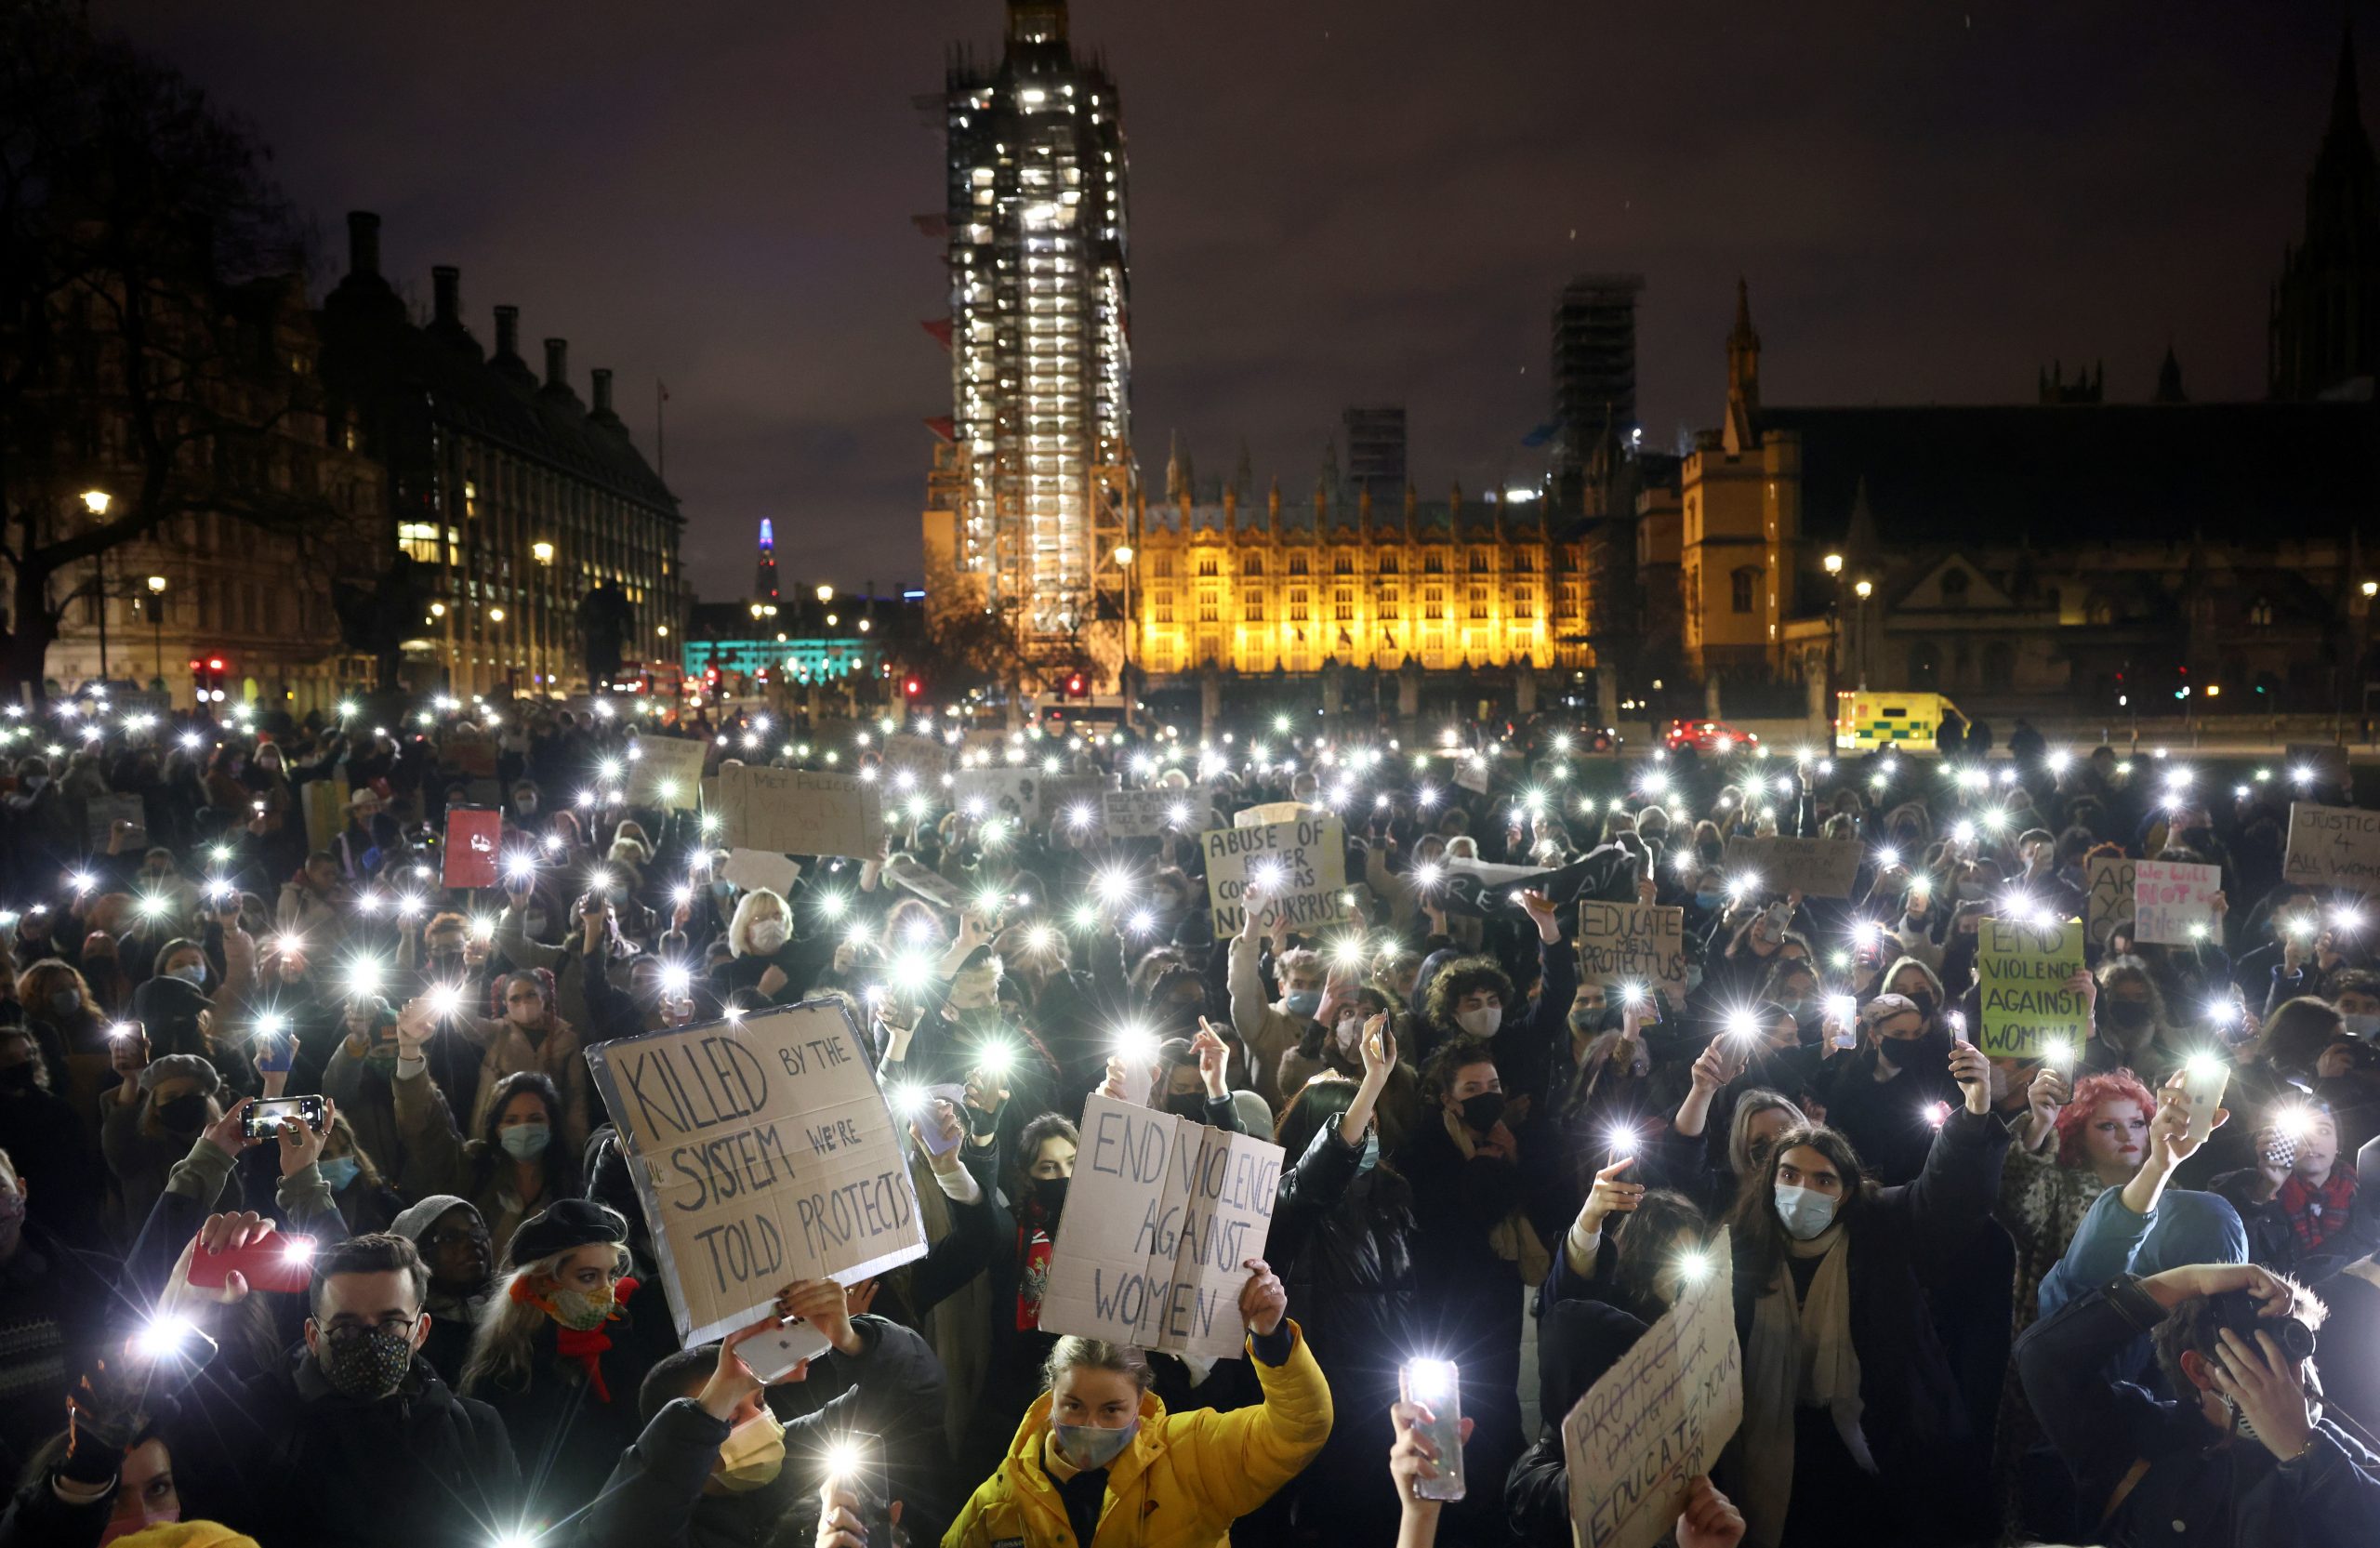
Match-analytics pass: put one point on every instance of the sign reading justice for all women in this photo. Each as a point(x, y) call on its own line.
point(763, 1153)
point(1161, 1217)
point(2023, 968)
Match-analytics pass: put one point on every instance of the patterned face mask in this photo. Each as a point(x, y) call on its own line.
point(368, 1365)
point(580, 1310)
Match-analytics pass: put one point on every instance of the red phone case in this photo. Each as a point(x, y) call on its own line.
point(267, 1264)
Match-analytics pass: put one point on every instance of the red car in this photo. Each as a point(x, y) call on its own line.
point(1707, 737)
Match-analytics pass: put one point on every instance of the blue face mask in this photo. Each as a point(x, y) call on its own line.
point(192, 974)
point(1805, 1214)
point(1302, 1002)
point(1088, 1447)
point(526, 1141)
point(1709, 899)
point(338, 1171)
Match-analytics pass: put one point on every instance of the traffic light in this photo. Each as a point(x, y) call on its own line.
point(207, 674)
point(912, 686)
point(1074, 685)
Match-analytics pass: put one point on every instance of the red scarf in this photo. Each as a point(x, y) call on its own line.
point(2320, 1214)
point(586, 1345)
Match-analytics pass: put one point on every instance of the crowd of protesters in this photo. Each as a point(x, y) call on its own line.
point(1978, 1299)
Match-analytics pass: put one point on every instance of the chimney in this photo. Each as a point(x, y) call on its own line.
point(558, 363)
point(446, 284)
point(507, 332)
point(363, 242)
point(600, 383)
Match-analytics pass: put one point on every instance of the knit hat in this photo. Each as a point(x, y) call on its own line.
point(413, 1222)
point(175, 1067)
point(1886, 1006)
point(567, 1224)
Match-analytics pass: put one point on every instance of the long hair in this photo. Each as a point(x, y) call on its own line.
point(2091, 1093)
point(2295, 1034)
point(1049, 1126)
point(1641, 1249)
point(1759, 1235)
point(42, 979)
point(1750, 1105)
point(366, 1171)
point(562, 1180)
point(503, 1345)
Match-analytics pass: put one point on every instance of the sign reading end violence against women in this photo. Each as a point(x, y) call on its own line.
point(2023, 970)
point(1161, 1217)
point(2333, 846)
point(763, 1153)
point(1634, 1444)
point(1299, 865)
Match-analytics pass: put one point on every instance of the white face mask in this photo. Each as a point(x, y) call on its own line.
point(1481, 1023)
point(1805, 1214)
point(1348, 1034)
point(767, 935)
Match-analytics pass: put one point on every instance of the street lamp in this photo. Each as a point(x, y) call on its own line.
point(825, 592)
point(96, 501)
point(495, 615)
point(1863, 591)
point(1834, 564)
point(542, 552)
point(157, 621)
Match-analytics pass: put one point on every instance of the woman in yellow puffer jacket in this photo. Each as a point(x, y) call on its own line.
point(1098, 1461)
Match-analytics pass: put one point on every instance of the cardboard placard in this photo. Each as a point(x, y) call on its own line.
point(324, 801)
point(763, 1152)
point(1147, 814)
point(924, 759)
point(1063, 796)
point(799, 812)
point(666, 771)
point(1633, 944)
point(101, 813)
point(2107, 897)
point(471, 754)
point(1010, 792)
point(906, 871)
point(2333, 846)
point(1160, 1216)
point(758, 870)
point(1472, 775)
point(1271, 811)
point(2022, 968)
point(2172, 903)
point(2325, 761)
point(1815, 867)
point(1302, 865)
point(468, 858)
point(1659, 1418)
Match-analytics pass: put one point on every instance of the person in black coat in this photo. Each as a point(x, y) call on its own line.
point(1827, 1260)
point(565, 1341)
point(714, 1468)
point(1882, 1098)
point(353, 1439)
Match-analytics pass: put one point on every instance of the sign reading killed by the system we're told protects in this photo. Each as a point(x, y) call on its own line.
point(1162, 1217)
point(1637, 1439)
point(1299, 867)
point(2023, 969)
point(763, 1152)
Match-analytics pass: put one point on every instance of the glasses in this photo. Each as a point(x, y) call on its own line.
point(351, 1327)
point(464, 1237)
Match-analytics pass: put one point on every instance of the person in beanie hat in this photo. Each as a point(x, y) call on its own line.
point(565, 1341)
point(453, 1240)
point(156, 1128)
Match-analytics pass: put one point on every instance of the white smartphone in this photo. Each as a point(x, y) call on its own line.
point(2204, 1081)
point(1437, 1385)
point(774, 1353)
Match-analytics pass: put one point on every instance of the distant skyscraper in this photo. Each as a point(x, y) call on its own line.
point(1594, 374)
point(1040, 300)
point(1376, 452)
point(765, 587)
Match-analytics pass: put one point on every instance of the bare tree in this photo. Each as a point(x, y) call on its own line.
point(145, 294)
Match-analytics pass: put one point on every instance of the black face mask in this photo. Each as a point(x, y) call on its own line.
point(1480, 1113)
point(1050, 1194)
point(2125, 1015)
point(17, 1079)
point(1929, 1050)
point(1190, 1105)
point(183, 1114)
point(1924, 1000)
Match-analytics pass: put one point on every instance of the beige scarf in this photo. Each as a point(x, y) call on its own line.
point(1512, 1238)
point(1801, 1356)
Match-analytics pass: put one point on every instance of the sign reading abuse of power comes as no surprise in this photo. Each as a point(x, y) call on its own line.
point(763, 1152)
point(1299, 865)
point(2023, 969)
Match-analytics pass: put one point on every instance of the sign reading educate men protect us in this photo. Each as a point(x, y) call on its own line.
point(763, 1152)
point(1161, 1219)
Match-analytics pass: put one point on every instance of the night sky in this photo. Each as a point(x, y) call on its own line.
point(1364, 200)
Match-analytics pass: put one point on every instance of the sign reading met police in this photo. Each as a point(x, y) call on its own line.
point(763, 1152)
point(1301, 866)
point(1161, 1219)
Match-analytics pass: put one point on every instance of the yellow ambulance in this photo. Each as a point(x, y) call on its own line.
point(1866, 720)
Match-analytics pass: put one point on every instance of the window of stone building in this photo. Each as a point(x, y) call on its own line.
point(1162, 566)
point(1478, 602)
point(1207, 567)
point(1524, 603)
point(1255, 611)
point(1346, 609)
point(1388, 610)
point(1388, 562)
point(2260, 612)
point(1523, 562)
point(1431, 601)
point(1297, 563)
point(1297, 606)
point(1744, 586)
point(1480, 564)
point(1954, 587)
point(1207, 613)
point(1344, 564)
point(1434, 562)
